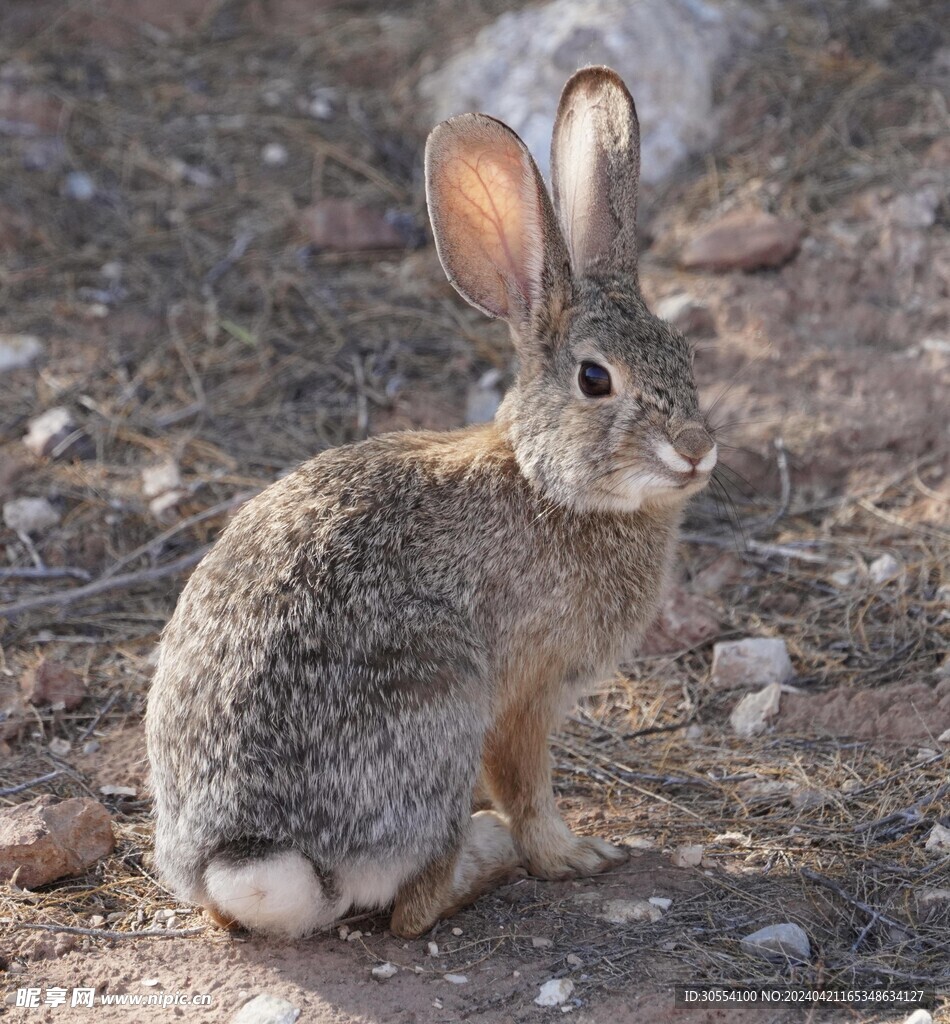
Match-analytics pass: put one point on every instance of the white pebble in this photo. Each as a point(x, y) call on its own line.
point(29, 515)
point(939, 839)
point(920, 1017)
point(354, 935)
point(778, 940)
point(884, 568)
point(663, 902)
point(274, 155)
point(456, 931)
point(19, 350)
point(456, 979)
point(159, 479)
point(433, 949)
point(96, 921)
point(383, 972)
point(690, 856)
point(555, 992)
point(751, 716)
point(79, 186)
point(574, 960)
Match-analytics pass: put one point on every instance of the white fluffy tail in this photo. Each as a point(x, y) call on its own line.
point(279, 894)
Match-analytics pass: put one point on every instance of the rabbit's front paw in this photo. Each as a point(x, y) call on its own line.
point(575, 856)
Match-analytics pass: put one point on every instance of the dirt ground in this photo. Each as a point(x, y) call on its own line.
point(187, 316)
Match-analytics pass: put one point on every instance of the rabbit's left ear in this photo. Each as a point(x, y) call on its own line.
point(595, 172)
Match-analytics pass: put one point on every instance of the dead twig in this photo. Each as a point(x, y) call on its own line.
point(12, 790)
point(102, 586)
point(876, 915)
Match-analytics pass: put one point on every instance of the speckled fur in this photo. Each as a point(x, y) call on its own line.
point(401, 618)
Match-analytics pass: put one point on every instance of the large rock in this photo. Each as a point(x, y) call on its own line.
point(667, 51)
point(743, 240)
point(49, 839)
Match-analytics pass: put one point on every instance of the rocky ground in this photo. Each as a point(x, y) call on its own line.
point(214, 261)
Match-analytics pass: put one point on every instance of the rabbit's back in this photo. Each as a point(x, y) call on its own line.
point(320, 685)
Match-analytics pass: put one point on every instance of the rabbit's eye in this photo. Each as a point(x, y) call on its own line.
point(593, 380)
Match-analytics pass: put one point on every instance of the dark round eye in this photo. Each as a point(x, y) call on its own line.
point(594, 380)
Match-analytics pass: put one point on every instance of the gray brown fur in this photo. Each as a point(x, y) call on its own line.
point(371, 635)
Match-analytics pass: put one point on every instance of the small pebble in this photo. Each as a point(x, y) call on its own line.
point(383, 972)
point(541, 943)
point(456, 931)
point(843, 578)
point(574, 960)
point(456, 979)
point(663, 902)
point(343, 932)
point(46, 432)
point(883, 569)
point(939, 839)
point(79, 186)
point(159, 479)
point(90, 746)
point(437, 1003)
point(96, 921)
point(354, 935)
point(751, 716)
point(29, 515)
point(433, 949)
point(19, 350)
point(274, 155)
point(59, 747)
point(785, 940)
point(920, 1017)
point(690, 856)
point(555, 992)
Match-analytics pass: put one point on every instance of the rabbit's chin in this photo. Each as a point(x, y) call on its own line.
point(637, 490)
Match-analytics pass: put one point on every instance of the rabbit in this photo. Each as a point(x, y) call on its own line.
point(389, 633)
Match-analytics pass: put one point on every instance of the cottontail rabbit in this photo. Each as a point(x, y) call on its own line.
point(400, 623)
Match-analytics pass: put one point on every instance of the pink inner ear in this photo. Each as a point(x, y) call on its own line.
point(483, 189)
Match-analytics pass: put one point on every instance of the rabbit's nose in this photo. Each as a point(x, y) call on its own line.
point(694, 444)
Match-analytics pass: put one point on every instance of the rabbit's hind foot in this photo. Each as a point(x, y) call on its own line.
point(278, 893)
point(486, 858)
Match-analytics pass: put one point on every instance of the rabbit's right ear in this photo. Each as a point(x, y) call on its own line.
point(492, 219)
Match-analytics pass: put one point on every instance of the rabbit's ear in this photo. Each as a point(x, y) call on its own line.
point(494, 226)
point(595, 172)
